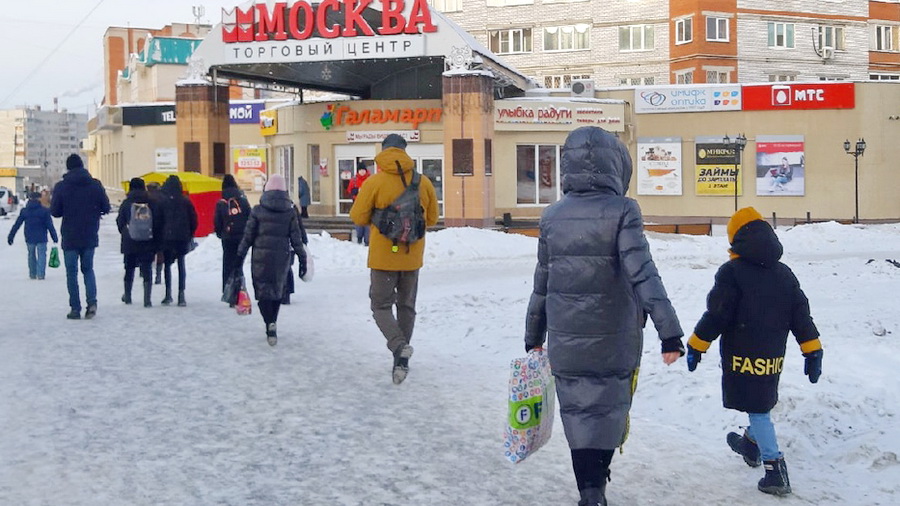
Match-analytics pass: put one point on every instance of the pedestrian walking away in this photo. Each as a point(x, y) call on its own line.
point(38, 223)
point(232, 212)
point(180, 223)
point(394, 268)
point(273, 231)
point(304, 196)
point(140, 222)
point(754, 302)
point(80, 201)
point(595, 284)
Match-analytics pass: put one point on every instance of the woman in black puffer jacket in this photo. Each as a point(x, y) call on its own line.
point(178, 233)
point(594, 286)
point(273, 230)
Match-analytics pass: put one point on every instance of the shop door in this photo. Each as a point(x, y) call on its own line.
point(429, 159)
point(349, 158)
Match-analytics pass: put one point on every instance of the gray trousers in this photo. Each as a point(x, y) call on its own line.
point(390, 288)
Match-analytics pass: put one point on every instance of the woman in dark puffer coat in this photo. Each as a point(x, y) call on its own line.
point(274, 232)
point(594, 286)
point(180, 220)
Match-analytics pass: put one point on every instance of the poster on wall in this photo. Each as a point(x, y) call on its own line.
point(250, 167)
point(780, 165)
point(715, 168)
point(659, 166)
point(166, 160)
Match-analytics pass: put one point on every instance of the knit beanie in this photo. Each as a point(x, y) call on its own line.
point(136, 183)
point(229, 182)
point(739, 219)
point(276, 182)
point(393, 141)
point(74, 162)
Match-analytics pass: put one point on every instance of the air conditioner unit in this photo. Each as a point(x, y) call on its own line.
point(582, 88)
point(827, 52)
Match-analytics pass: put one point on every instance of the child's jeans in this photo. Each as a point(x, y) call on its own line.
point(762, 431)
point(37, 259)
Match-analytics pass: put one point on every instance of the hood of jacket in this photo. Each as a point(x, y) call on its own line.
point(389, 159)
point(172, 186)
point(139, 196)
point(753, 239)
point(593, 160)
point(232, 193)
point(33, 204)
point(78, 176)
point(276, 200)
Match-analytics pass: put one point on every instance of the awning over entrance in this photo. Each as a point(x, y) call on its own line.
point(373, 49)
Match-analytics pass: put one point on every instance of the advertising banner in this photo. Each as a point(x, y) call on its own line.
point(379, 135)
point(525, 115)
point(780, 165)
point(244, 113)
point(687, 98)
point(659, 166)
point(166, 160)
point(250, 170)
point(268, 122)
point(715, 168)
point(799, 96)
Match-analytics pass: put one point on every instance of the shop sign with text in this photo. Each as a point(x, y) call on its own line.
point(769, 97)
point(337, 115)
point(245, 113)
point(378, 136)
point(268, 122)
point(687, 98)
point(329, 30)
point(717, 167)
point(560, 116)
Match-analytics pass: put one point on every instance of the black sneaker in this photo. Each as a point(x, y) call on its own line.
point(90, 312)
point(74, 314)
point(745, 447)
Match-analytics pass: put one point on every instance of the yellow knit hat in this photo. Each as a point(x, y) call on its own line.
point(741, 218)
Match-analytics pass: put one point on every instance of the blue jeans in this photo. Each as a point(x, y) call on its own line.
point(37, 259)
point(86, 255)
point(362, 234)
point(763, 432)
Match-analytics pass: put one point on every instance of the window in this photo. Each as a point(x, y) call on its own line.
point(777, 78)
point(636, 38)
point(831, 36)
point(637, 81)
point(514, 40)
point(446, 5)
point(284, 165)
point(884, 38)
point(191, 157)
point(717, 76)
point(716, 29)
point(684, 77)
point(219, 162)
point(567, 38)
point(884, 77)
point(537, 174)
point(316, 168)
point(832, 78)
point(781, 35)
point(562, 80)
point(683, 30)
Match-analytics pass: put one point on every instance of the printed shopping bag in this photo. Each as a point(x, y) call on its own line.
point(310, 268)
point(54, 258)
point(532, 401)
point(244, 306)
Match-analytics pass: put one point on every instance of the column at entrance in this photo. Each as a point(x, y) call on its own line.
point(202, 128)
point(468, 118)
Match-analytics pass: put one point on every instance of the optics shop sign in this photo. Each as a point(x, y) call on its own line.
point(534, 115)
point(770, 97)
point(331, 30)
point(688, 98)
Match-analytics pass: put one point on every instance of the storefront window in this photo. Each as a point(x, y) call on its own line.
point(315, 175)
point(284, 161)
point(537, 174)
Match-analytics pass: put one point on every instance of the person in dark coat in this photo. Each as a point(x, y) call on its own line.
point(305, 198)
point(80, 201)
point(273, 231)
point(594, 286)
point(159, 259)
point(180, 220)
point(232, 212)
point(139, 253)
point(38, 223)
point(755, 301)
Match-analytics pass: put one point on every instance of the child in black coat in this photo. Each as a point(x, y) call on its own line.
point(755, 301)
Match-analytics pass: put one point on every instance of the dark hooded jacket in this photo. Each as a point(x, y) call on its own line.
point(231, 227)
point(79, 200)
point(130, 246)
point(755, 301)
point(179, 217)
point(37, 221)
point(274, 232)
point(594, 285)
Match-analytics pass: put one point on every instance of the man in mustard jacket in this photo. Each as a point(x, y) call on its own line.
point(394, 271)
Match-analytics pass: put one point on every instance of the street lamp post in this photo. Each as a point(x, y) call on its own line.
point(737, 147)
point(858, 151)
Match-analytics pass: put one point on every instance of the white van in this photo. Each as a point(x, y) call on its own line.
point(8, 201)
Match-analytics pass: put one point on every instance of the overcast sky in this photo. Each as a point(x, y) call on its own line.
point(36, 68)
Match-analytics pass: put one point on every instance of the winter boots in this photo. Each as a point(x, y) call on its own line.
point(90, 312)
point(147, 288)
point(271, 334)
point(401, 363)
point(181, 301)
point(593, 497)
point(129, 283)
point(745, 447)
point(776, 481)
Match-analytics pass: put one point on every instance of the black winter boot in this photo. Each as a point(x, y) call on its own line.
point(126, 297)
point(158, 274)
point(776, 480)
point(745, 447)
point(148, 286)
point(181, 301)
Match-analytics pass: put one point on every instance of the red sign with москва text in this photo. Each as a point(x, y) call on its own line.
point(795, 96)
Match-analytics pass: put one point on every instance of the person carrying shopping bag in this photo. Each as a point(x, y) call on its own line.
point(38, 223)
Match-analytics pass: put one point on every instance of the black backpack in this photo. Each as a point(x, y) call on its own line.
point(235, 219)
point(140, 222)
point(403, 221)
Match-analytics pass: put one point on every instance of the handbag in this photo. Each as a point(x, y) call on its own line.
point(54, 258)
point(232, 288)
point(243, 306)
point(532, 403)
point(310, 270)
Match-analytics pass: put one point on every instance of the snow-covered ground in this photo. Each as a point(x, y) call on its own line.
point(190, 406)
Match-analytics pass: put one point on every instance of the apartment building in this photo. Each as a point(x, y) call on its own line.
point(649, 42)
point(35, 137)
